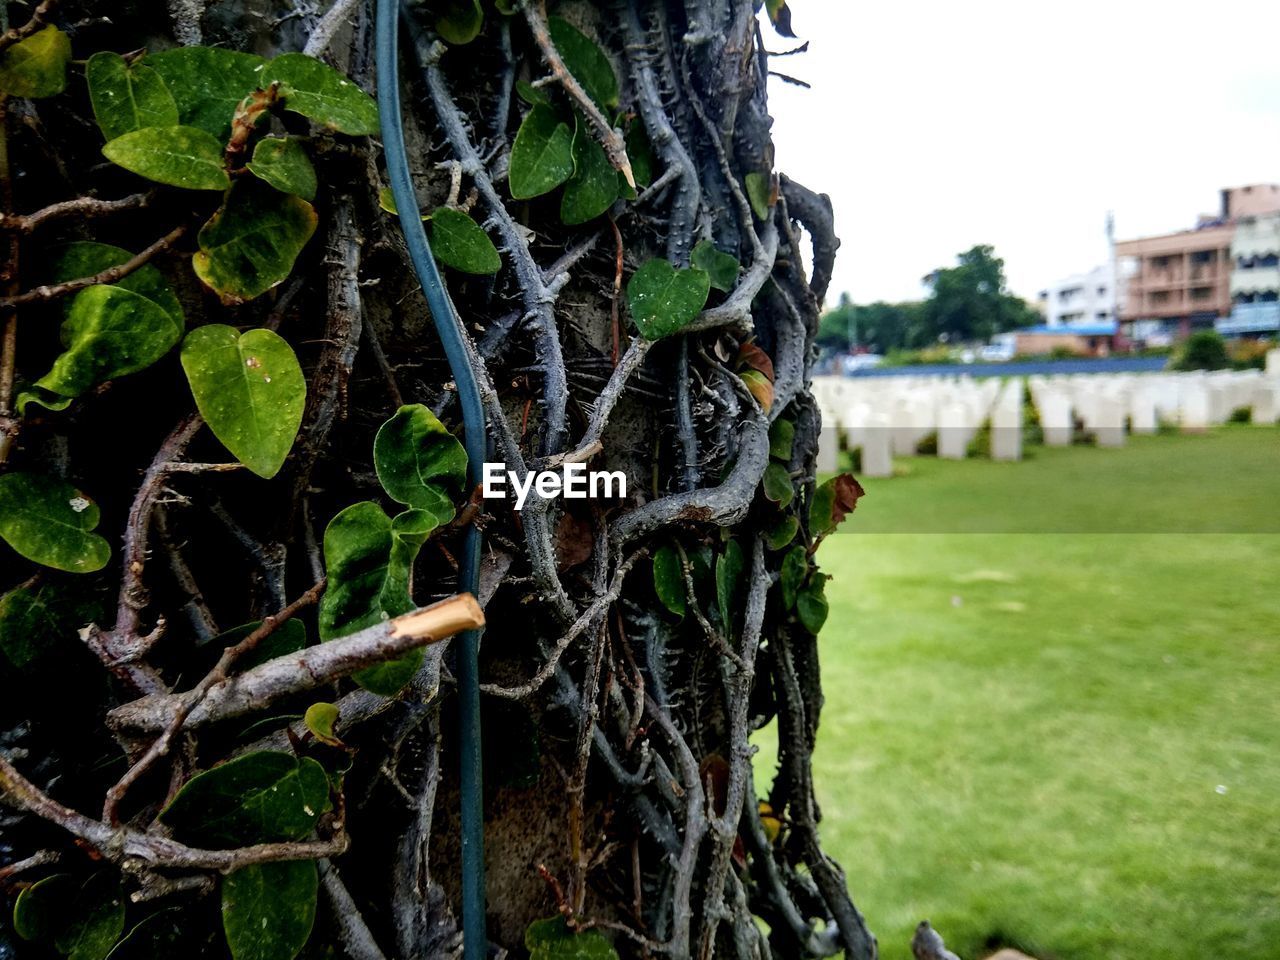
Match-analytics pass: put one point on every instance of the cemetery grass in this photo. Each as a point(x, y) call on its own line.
point(1063, 742)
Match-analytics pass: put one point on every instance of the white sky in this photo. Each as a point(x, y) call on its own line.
point(935, 125)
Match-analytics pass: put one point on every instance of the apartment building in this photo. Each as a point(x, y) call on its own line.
point(1178, 282)
point(1080, 300)
point(1255, 277)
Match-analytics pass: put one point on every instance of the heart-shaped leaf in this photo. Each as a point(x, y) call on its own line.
point(322, 94)
point(86, 258)
point(251, 243)
point(208, 83)
point(283, 163)
point(82, 919)
point(586, 61)
point(782, 532)
point(320, 719)
point(729, 567)
point(50, 522)
point(127, 97)
point(832, 502)
point(178, 156)
point(553, 939)
point(542, 154)
point(668, 580)
point(268, 909)
point(795, 567)
point(368, 559)
point(777, 484)
point(262, 797)
point(164, 934)
point(250, 389)
point(664, 300)
point(721, 268)
point(594, 184)
point(759, 193)
point(37, 619)
point(420, 463)
point(109, 332)
point(459, 242)
point(37, 65)
point(458, 21)
point(811, 603)
point(782, 438)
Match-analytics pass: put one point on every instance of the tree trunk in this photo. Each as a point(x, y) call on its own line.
point(619, 791)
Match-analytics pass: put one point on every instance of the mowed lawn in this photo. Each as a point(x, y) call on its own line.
point(1064, 742)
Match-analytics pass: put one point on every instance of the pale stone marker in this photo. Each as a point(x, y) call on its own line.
point(1142, 411)
point(876, 459)
point(1108, 424)
point(1055, 419)
point(1193, 408)
point(954, 431)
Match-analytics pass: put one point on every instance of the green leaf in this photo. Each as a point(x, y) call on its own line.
point(777, 484)
point(262, 797)
point(251, 243)
point(594, 184)
point(729, 567)
point(322, 94)
point(782, 439)
point(586, 61)
point(759, 193)
point(665, 300)
point(795, 567)
point(420, 463)
point(178, 156)
point(268, 909)
point(640, 153)
point(811, 603)
point(87, 258)
point(782, 532)
point(458, 21)
point(283, 163)
point(320, 719)
point(288, 637)
point(552, 939)
point(127, 97)
point(532, 95)
point(720, 267)
point(250, 389)
point(36, 66)
point(668, 580)
point(368, 558)
point(50, 522)
point(542, 155)
point(36, 620)
point(208, 84)
point(459, 242)
point(163, 934)
point(832, 502)
point(110, 332)
point(82, 920)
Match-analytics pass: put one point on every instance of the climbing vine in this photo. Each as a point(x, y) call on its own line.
point(232, 496)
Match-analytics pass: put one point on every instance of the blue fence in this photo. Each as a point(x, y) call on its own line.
point(1023, 368)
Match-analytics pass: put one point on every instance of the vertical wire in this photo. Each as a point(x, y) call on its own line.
point(449, 327)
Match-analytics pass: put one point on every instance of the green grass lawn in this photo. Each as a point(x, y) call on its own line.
point(1065, 742)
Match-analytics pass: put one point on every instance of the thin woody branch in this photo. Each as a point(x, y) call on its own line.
point(305, 670)
point(614, 146)
point(39, 16)
point(135, 849)
point(82, 207)
point(58, 290)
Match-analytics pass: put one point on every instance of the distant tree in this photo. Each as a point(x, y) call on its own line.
point(970, 300)
point(879, 326)
point(1203, 350)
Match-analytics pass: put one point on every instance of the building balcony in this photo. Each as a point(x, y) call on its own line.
point(1250, 318)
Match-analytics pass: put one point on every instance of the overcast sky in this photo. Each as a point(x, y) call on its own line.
point(938, 125)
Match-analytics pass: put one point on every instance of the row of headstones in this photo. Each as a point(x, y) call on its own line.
point(891, 416)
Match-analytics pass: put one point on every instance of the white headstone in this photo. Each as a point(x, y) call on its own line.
point(1142, 410)
point(876, 459)
point(1193, 408)
point(954, 431)
point(1108, 424)
point(1055, 418)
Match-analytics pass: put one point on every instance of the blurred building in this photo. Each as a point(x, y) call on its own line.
point(1082, 299)
point(1255, 277)
point(1179, 282)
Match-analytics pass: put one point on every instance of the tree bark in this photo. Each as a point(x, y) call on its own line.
point(619, 791)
